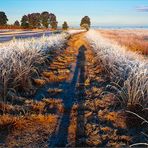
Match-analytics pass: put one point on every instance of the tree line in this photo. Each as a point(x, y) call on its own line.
point(41, 20)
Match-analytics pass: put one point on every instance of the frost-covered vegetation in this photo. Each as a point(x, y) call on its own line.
point(74, 31)
point(19, 60)
point(128, 71)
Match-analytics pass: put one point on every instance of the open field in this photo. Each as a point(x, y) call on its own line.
point(75, 89)
point(135, 40)
point(127, 70)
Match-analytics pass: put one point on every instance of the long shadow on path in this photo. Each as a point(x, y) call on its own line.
point(60, 138)
point(80, 131)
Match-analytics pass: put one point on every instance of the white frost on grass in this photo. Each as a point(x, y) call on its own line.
point(75, 31)
point(122, 66)
point(19, 57)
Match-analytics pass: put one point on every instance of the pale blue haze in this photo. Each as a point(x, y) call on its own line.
point(101, 12)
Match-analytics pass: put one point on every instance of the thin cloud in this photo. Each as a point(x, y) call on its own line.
point(142, 8)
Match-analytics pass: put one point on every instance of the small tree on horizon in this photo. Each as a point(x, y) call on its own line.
point(16, 23)
point(3, 18)
point(65, 26)
point(85, 22)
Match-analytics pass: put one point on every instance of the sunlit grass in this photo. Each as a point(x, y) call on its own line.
point(19, 60)
point(127, 70)
point(31, 130)
point(134, 40)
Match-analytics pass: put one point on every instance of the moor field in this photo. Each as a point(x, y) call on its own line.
point(76, 88)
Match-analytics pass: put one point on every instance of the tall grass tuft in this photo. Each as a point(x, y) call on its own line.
point(18, 60)
point(128, 71)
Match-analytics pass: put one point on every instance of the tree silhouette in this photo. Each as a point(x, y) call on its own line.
point(65, 26)
point(45, 19)
point(85, 22)
point(34, 20)
point(3, 18)
point(16, 23)
point(53, 21)
point(24, 22)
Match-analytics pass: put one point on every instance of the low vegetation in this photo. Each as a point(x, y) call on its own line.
point(127, 70)
point(75, 31)
point(134, 40)
point(29, 124)
point(19, 60)
point(91, 92)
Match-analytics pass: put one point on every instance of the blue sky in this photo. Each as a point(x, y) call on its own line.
point(101, 12)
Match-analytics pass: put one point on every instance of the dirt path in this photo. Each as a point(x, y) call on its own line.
point(72, 71)
point(88, 117)
point(69, 96)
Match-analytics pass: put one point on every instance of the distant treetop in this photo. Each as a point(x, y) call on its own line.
point(3, 19)
point(65, 26)
point(16, 23)
point(85, 22)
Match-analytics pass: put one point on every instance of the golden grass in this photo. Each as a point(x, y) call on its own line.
point(46, 106)
point(39, 82)
point(28, 131)
point(34, 127)
point(117, 118)
point(59, 67)
point(133, 40)
point(48, 74)
point(55, 91)
point(73, 126)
